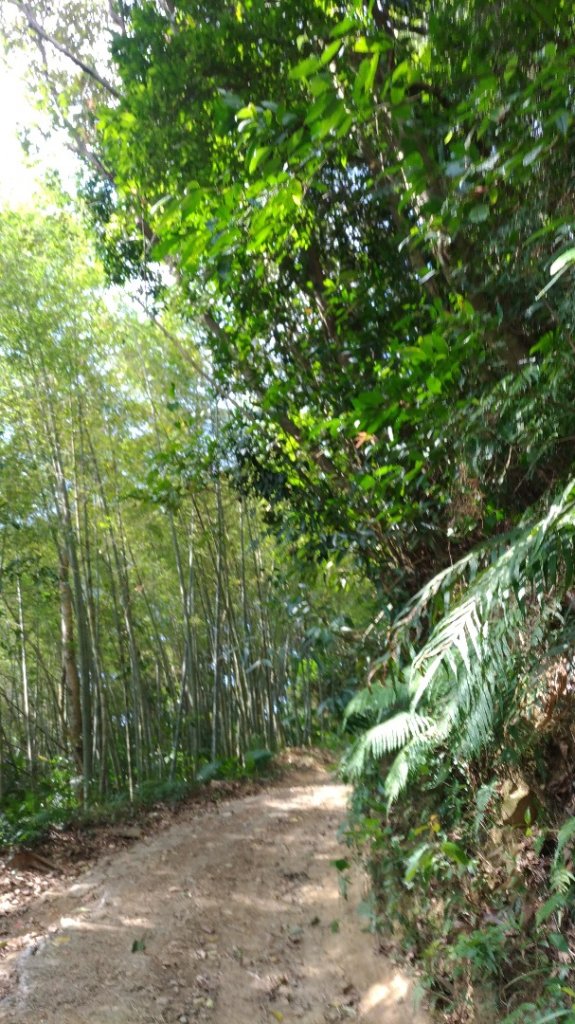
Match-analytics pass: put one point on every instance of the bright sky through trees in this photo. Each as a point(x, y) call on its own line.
point(20, 174)
point(15, 176)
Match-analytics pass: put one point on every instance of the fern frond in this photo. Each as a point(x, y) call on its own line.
point(475, 632)
point(463, 677)
point(477, 725)
point(403, 765)
point(506, 552)
point(561, 879)
point(555, 904)
point(374, 699)
point(386, 737)
point(565, 834)
point(394, 733)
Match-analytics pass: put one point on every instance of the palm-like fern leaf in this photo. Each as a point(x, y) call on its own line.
point(386, 737)
point(462, 677)
point(375, 699)
point(478, 630)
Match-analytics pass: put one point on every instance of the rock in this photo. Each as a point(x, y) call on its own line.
point(518, 804)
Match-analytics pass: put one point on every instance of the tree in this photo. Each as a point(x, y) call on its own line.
point(358, 353)
point(141, 635)
point(340, 196)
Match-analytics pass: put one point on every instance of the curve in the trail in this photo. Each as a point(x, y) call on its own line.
point(231, 916)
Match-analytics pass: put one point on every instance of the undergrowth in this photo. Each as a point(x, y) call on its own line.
point(474, 890)
point(463, 768)
point(28, 819)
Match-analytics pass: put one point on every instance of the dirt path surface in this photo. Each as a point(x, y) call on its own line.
point(230, 916)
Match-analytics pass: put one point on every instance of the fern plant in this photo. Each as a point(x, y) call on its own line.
point(484, 618)
point(562, 880)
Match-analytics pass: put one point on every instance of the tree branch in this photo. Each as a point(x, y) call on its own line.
point(35, 27)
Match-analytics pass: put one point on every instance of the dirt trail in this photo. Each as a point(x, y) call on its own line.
point(227, 917)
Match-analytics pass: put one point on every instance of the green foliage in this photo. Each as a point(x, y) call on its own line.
point(127, 556)
point(254, 762)
point(257, 761)
point(30, 823)
point(276, 155)
point(215, 770)
point(485, 950)
point(529, 1013)
point(502, 602)
point(485, 623)
point(473, 903)
point(368, 211)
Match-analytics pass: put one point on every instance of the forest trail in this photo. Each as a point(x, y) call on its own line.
point(230, 916)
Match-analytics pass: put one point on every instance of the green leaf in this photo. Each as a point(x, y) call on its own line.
point(305, 68)
point(478, 214)
point(559, 941)
point(456, 853)
point(330, 52)
point(259, 154)
point(562, 261)
point(192, 202)
point(341, 864)
point(419, 860)
point(370, 77)
point(343, 27)
point(556, 902)
point(367, 482)
point(247, 113)
point(434, 385)
point(365, 78)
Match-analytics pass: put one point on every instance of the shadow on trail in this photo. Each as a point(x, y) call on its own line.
point(231, 915)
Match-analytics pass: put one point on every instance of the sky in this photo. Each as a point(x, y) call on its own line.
point(15, 179)
point(19, 175)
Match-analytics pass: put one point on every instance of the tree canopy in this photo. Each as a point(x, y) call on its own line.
point(361, 206)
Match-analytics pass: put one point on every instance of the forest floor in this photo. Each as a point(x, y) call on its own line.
point(230, 913)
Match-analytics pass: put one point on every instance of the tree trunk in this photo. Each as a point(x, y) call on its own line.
point(70, 676)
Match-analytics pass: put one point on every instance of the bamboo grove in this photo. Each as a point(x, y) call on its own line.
point(142, 632)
